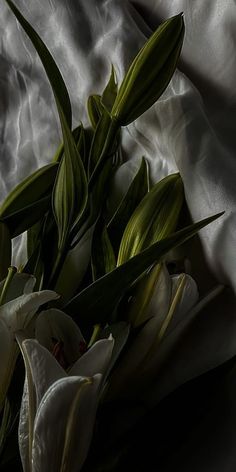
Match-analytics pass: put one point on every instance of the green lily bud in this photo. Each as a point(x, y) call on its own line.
point(150, 72)
point(154, 218)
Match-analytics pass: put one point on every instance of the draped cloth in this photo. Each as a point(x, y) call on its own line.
point(191, 129)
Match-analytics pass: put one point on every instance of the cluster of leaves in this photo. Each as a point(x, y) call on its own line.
point(60, 202)
point(64, 204)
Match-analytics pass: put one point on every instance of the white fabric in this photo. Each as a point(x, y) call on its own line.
point(191, 128)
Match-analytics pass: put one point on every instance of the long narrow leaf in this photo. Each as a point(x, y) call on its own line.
point(72, 162)
point(52, 71)
point(95, 109)
point(23, 219)
point(30, 190)
point(33, 237)
point(99, 139)
point(96, 303)
point(102, 255)
point(78, 134)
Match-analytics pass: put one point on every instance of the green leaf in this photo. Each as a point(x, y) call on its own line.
point(78, 134)
point(43, 250)
point(99, 139)
point(70, 190)
point(135, 193)
point(154, 218)
point(80, 141)
point(96, 199)
point(105, 142)
point(30, 190)
point(109, 95)
point(35, 265)
point(102, 254)
point(26, 217)
point(95, 109)
point(96, 303)
point(52, 71)
point(65, 210)
point(99, 189)
point(33, 237)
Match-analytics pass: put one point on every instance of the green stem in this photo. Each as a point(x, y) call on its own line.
point(11, 272)
point(95, 335)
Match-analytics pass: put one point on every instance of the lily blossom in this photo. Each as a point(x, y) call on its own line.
point(16, 314)
point(59, 407)
point(187, 342)
point(172, 298)
point(60, 335)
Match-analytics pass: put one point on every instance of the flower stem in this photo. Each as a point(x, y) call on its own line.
point(94, 337)
point(11, 272)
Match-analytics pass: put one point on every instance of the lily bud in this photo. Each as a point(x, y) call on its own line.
point(154, 218)
point(150, 72)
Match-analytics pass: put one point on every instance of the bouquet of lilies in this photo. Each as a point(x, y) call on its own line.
point(91, 318)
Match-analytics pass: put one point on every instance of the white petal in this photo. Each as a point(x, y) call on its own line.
point(6, 346)
point(54, 323)
point(131, 365)
point(142, 361)
point(161, 298)
point(151, 297)
point(18, 313)
point(64, 425)
point(200, 342)
point(23, 429)
point(95, 361)
point(188, 299)
point(45, 369)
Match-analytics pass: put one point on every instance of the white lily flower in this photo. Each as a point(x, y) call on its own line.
point(58, 407)
point(16, 314)
point(188, 343)
point(172, 298)
point(60, 335)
